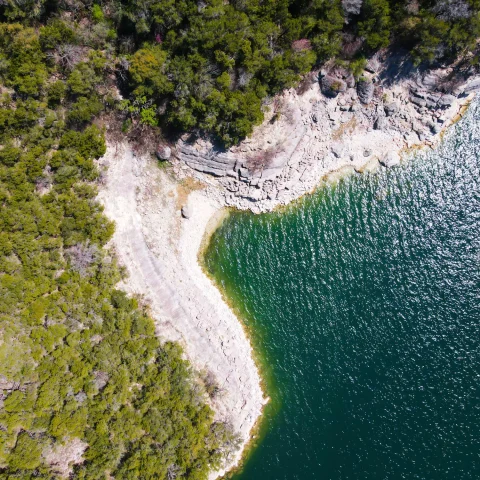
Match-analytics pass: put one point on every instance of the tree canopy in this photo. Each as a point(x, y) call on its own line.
point(79, 360)
point(209, 65)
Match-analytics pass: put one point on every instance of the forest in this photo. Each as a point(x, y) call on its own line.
point(83, 375)
point(81, 369)
point(210, 66)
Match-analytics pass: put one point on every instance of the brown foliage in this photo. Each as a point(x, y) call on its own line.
point(263, 159)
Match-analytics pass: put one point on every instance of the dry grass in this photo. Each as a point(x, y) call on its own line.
point(185, 187)
point(260, 160)
point(347, 127)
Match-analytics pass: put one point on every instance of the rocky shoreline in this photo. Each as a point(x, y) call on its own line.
point(332, 122)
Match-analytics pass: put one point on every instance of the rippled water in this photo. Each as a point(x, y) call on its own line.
point(364, 303)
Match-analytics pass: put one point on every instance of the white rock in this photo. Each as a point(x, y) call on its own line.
point(390, 159)
point(186, 211)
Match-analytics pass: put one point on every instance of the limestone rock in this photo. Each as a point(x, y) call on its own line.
point(472, 86)
point(163, 152)
point(186, 211)
point(432, 79)
point(365, 90)
point(350, 80)
point(373, 65)
point(332, 86)
point(381, 123)
point(390, 159)
point(391, 108)
point(446, 101)
point(418, 100)
point(338, 149)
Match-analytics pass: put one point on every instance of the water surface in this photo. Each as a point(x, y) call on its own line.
point(364, 304)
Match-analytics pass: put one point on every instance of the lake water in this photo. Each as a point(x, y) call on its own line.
point(363, 302)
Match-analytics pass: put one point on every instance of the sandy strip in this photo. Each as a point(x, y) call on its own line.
point(159, 250)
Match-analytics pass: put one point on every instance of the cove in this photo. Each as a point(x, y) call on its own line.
point(363, 304)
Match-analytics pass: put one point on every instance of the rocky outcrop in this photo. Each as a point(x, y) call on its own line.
point(207, 161)
point(332, 86)
point(62, 458)
point(329, 126)
point(365, 90)
point(163, 152)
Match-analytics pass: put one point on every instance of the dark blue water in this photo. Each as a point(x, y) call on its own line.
point(364, 304)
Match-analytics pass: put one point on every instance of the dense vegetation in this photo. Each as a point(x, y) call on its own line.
point(207, 65)
point(80, 365)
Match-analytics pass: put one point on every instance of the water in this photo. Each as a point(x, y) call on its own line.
point(364, 305)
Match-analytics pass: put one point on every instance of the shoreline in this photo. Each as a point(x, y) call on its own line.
point(163, 255)
point(308, 135)
point(159, 250)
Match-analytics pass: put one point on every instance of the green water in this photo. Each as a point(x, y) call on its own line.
point(364, 303)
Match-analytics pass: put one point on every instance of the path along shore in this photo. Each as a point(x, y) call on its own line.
point(159, 248)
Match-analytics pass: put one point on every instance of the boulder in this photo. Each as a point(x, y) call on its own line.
point(390, 159)
point(163, 152)
point(245, 173)
point(332, 86)
point(391, 108)
point(186, 211)
point(381, 123)
point(446, 101)
point(365, 90)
